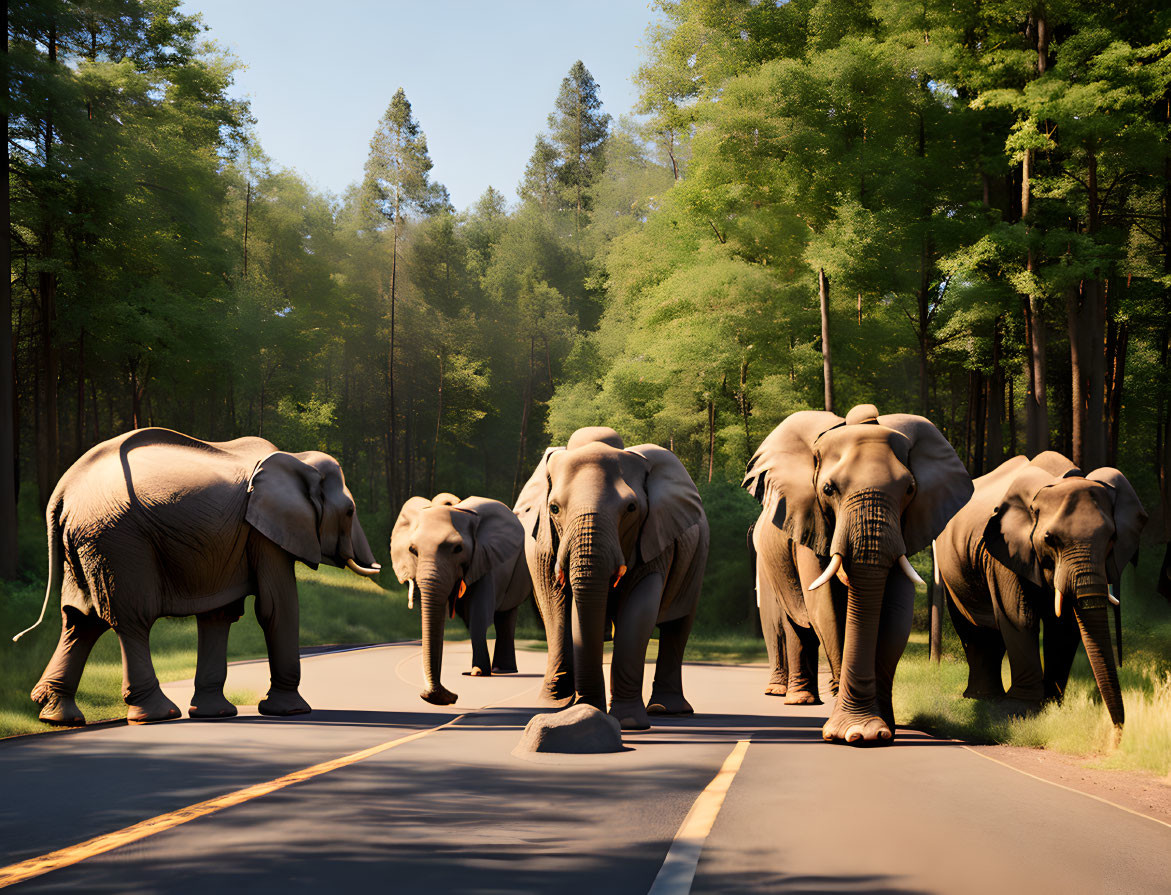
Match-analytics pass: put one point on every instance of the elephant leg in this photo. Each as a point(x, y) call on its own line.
point(1062, 638)
point(278, 613)
point(984, 650)
point(667, 692)
point(633, 625)
point(140, 685)
point(481, 605)
point(55, 692)
point(211, 666)
point(504, 650)
point(802, 647)
point(826, 608)
point(1020, 629)
point(894, 629)
point(772, 626)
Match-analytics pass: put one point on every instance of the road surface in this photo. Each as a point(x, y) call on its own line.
point(452, 810)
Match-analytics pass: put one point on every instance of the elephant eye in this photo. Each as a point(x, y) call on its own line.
point(413, 550)
point(458, 548)
point(349, 511)
point(554, 509)
point(631, 507)
point(1052, 540)
point(829, 489)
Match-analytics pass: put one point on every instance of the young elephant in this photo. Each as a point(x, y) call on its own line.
point(853, 497)
point(1039, 541)
point(614, 535)
point(154, 523)
point(465, 557)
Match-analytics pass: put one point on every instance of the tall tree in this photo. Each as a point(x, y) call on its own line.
point(398, 183)
point(8, 470)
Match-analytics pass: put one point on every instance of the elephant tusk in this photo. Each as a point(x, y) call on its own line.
point(909, 570)
point(835, 563)
point(1110, 595)
point(935, 563)
point(411, 594)
point(618, 577)
point(758, 589)
point(560, 575)
point(362, 570)
point(1057, 602)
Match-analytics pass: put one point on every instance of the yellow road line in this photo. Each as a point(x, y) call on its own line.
point(678, 870)
point(65, 857)
point(1080, 792)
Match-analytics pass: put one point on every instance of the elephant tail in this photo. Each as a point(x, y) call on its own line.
point(56, 560)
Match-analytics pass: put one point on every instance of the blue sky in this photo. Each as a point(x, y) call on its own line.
point(481, 76)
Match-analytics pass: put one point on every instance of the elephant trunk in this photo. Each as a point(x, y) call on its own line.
point(433, 594)
point(1085, 581)
point(594, 558)
point(869, 537)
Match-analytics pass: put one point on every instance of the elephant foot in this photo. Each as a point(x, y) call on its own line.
point(211, 704)
point(669, 704)
point(971, 692)
point(859, 728)
point(59, 709)
point(776, 690)
point(477, 671)
point(438, 695)
point(631, 714)
point(802, 697)
point(155, 707)
point(280, 703)
point(506, 669)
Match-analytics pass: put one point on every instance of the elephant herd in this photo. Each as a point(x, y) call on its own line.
point(612, 542)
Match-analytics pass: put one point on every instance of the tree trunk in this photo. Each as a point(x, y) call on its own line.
point(47, 441)
point(1036, 401)
point(8, 471)
point(1073, 315)
point(995, 402)
point(711, 437)
point(1093, 338)
point(1117, 372)
point(392, 422)
point(827, 364)
point(517, 479)
point(438, 428)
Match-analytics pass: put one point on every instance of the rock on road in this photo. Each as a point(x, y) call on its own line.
point(455, 811)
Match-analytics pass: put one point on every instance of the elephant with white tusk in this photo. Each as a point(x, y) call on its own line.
point(462, 557)
point(614, 534)
point(844, 502)
point(155, 523)
point(1040, 542)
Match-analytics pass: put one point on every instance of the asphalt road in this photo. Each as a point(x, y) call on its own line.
point(455, 811)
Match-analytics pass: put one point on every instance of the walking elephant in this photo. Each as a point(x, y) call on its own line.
point(155, 523)
point(465, 557)
point(1040, 542)
point(614, 535)
point(844, 501)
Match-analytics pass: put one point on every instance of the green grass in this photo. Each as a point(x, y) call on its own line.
point(930, 696)
point(336, 607)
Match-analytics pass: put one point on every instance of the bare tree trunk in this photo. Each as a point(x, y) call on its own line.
point(995, 402)
point(711, 437)
point(827, 363)
point(1076, 379)
point(1094, 373)
point(247, 209)
point(1117, 374)
point(438, 428)
point(8, 470)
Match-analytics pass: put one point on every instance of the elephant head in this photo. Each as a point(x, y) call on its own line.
point(598, 510)
point(301, 502)
point(863, 492)
point(442, 546)
point(1072, 535)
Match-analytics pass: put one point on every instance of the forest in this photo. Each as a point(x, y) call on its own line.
point(956, 210)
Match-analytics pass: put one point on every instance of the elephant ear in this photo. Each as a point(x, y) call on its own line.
point(782, 472)
point(1008, 536)
point(499, 537)
point(285, 504)
point(532, 506)
point(401, 557)
point(942, 484)
point(673, 503)
point(1057, 465)
point(1129, 519)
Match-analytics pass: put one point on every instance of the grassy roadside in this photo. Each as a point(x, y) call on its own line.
point(929, 696)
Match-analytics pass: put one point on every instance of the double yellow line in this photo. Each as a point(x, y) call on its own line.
point(65, 857)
